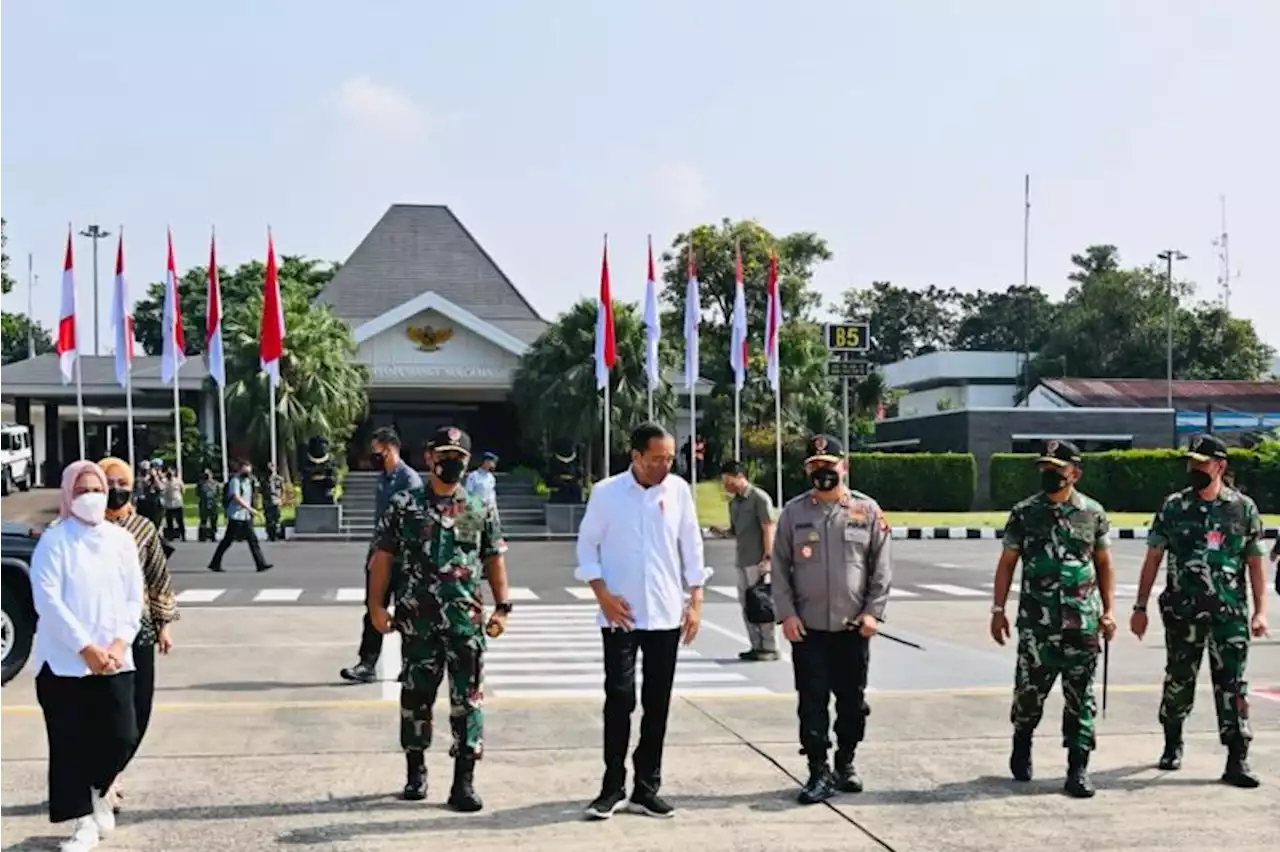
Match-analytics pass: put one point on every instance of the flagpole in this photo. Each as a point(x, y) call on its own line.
point(777, 435)
point(222, 422)
point(177, 415)
point(80, 402)
point(606, 428)
point(31, 290)
point(651, 404)
point(272, 381)
point(693, 430)
point(128, 408)
point(737, 422)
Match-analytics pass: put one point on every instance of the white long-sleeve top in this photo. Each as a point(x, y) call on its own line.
point(87, 585)
point(645, 544)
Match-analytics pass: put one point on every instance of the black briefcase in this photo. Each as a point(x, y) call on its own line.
point(759, 603)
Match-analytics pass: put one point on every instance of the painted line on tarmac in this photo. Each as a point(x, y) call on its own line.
point(738, 637)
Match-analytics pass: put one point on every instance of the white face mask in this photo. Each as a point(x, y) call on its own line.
point(90, 507)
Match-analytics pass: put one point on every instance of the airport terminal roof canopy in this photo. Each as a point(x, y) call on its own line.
point(41, 377)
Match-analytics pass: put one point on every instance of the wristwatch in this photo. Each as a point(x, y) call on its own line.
point(1140, 606)
point(503, 607)
point(997, 609)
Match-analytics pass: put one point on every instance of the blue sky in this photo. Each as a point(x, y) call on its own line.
point(899, 131)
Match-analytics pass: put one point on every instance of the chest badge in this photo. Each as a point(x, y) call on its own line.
point(806, 551)
point(815, 536)
point(1213, 539)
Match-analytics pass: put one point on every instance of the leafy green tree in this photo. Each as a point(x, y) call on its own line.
point(6, 281)
point(15, 337)
point(904, 323)
point(1019, 319)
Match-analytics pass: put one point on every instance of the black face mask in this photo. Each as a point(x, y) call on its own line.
point(378, 460)
point(1052, 481)
point(825, 478)
point(118, 498)
point(449, 471)
point(1199, 479)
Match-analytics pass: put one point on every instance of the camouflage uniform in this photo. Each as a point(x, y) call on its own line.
point(1059, 607)
point(1205, 602)
point(440, 545)
point(210, 496)
point(272, 500)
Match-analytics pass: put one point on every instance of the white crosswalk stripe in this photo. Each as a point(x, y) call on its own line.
point(902, 593)
point(191, 596)
point(954, 591)
point(350, 595)
point(277, 595)
point(727, 591)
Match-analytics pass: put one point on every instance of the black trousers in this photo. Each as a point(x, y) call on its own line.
point(271, 513)
point(658, 649)
point(242, 530)
point(827, 663)
point(92, 728)
point(144, 692)
point(175, 525)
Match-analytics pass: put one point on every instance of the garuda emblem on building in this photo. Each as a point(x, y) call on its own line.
point(428, 338)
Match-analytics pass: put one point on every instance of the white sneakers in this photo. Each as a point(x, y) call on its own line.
point(103, 814)
point(84, 837)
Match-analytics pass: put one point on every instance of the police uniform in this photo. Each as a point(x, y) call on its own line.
point(1059, 616)
point(210, 494)
point(441, 545)
point(831, 566)
point(1205, 603)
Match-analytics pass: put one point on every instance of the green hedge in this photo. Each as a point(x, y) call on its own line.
point(914, 482)
point(1134, 480)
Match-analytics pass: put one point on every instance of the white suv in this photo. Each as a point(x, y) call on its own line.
point(15, 457)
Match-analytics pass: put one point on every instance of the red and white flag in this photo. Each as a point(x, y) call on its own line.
point(67, 345)
point(122, 319)
point(175, 343)
point(773, 324)
point(213, 322)
point(692, 316)
point(606, 344)
point(738, 344)
point(271, 333)
point(652, 326)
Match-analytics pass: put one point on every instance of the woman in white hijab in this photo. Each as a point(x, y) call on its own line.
point(88, 590)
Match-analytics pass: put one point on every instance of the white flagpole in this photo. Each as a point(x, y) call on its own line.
point(222, 420)
point(650, 404)
point(271, 381)
point(177, 414)
point(693, 431)
point(606, 428)
point(80, 402)
point(777, 436)
point(128, 408)
point(737, 422)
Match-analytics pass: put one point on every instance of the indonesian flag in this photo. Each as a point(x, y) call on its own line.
point(773, 324)
point(606, 345)
point(122, 319)
point(67, 348)
point(692, 313)
point(175, 343)
point(652, 325)
point(213, 322)
point(271, 334)
point(738, 346)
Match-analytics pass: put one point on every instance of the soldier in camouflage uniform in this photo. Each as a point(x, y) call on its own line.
point(443, 541)
point(272, 500)
point(209, 493)
point(1210, 532)
point(1065, 601)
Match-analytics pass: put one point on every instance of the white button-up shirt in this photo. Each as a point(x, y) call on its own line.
point(645, 544)
point(86, 582)
point(483, 484)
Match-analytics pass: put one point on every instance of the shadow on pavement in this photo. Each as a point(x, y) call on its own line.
point(250, 686)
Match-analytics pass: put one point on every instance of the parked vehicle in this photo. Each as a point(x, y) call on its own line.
point(16, 463)
point(18, 625)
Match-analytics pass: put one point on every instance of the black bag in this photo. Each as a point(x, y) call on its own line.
point(758, 602)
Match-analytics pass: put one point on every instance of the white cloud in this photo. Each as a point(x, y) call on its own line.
point(371, 106)
point(680, 188)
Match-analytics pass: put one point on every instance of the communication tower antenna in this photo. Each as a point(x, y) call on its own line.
point(1225, 273)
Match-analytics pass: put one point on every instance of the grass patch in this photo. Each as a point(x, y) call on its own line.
point(191, 509)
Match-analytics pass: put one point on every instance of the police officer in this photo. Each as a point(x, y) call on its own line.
point(1067, 598)
point(443, 541)
point(272, 500)
point(1210, 532)
point(209, 493)
point(831, 576)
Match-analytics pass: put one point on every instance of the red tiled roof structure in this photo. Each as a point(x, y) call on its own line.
point(1250, 397)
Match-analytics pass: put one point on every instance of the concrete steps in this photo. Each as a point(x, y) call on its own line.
point(519, 506)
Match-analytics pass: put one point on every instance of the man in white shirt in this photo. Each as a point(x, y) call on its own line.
point(481, 482)
point(639, 544)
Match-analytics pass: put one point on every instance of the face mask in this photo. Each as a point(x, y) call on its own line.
point(825, 478)
point(1199, 479)
point(449, 471)
point(378, 460)
point(1052, 481)
point(118, 498)
point(90, 507)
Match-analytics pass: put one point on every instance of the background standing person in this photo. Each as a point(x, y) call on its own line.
point(1067, 598)
point(481, 482)
point(272, 501)
point(396, 476)
point(240, 514)
point(209, 493)
point(159, 609)
point(171, 500)
point(87, 587)
point(751, 525)
point(832, 571)
point(1211, 533)
point(146, 499)
point(639, 529)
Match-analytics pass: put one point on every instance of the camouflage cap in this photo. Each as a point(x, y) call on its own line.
point(823, 448)
point(450, 438)
point(1061, 453)
point(1205, 447)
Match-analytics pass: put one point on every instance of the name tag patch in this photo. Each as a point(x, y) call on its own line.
point(815, 536)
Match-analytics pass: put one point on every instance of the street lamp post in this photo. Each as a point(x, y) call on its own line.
point(95, 233)
point(1169, 256)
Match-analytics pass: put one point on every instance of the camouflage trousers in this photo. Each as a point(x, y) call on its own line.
point(425, 661)
point(1042, 657)
point(1227, 639)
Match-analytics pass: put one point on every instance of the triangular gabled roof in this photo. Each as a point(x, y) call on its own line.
point(421, 248)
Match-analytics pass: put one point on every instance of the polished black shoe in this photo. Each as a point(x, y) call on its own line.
point(1020, 759)
point(846, 777)
point(462, 797)
point(361, 672)
point(819, 787)
point(266, 567)
point(650, 804)
point(1078, 784)
point(415, 783)
point(608, 803)
point(1171, 757)
point(1237, 772)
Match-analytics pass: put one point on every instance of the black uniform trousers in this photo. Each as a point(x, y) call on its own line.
point(658, 650)
point(92, 729)
point(144, 691)
point(827, 663)
point(242, 530)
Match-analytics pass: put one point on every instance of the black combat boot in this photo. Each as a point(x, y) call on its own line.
point(1238, 773)
point(415, 784)
point(1020, 758)
point(820, 786)
point(846, 780)
point(463, 795)
point(1078, 784)
point(1171, 757)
